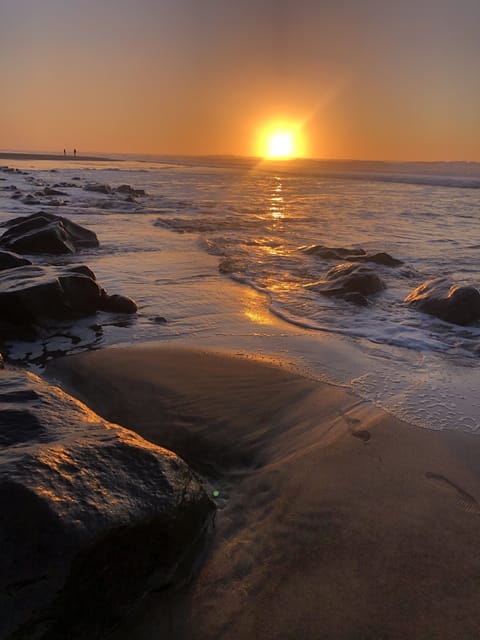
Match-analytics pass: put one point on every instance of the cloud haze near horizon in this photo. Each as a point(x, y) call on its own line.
point(369, 80)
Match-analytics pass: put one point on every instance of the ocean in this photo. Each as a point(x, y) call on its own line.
point(214, 254)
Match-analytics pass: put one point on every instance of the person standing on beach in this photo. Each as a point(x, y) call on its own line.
point(64, 152)
point(74, 152)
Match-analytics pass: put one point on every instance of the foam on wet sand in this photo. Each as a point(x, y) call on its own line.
point(335, 519)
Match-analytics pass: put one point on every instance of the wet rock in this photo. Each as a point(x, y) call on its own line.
point(117, 303)
point(9, 260)
point(382, 258)
point(93, 516)
point(46, 233)
point(31, 296)
point(332, 253)
point(30, 200)
point(49, 191)
point(98, 188)
point(349, 281)
point(450, 302)
point(351, 255)
point(128, 190)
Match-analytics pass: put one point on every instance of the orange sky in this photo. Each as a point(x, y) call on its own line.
point(368, 79)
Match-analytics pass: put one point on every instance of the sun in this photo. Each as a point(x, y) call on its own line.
point(280, 140)
point(280, 144)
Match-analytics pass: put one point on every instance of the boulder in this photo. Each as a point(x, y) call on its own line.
point(93, 516)
point(46, 233)
point(450, 302)
point(31, 296)
point(349, 281)
point(9, 260)
point(117, 303)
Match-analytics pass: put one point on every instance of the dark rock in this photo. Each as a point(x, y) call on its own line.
point(117, 303)
point(347, 279)
point(450, 302)
point(31, 296)
point(382, 258)
point(93, 516)
point(46, 233)
point(9, 260)
point(350, 255)
point(31, 200)
point(98, 188)
point(127, 189)
point(331, 253)
point(356, 298)
point(49, 191)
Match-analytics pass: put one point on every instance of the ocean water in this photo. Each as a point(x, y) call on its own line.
point(214, 255)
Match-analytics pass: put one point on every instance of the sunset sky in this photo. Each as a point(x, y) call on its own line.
point(366, 79)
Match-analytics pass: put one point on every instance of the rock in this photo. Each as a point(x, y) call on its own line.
point(31, 200)
point(331, 253)
point(450, 302)
point(46, 233)
point(349, 281)
point(127, 189)
point(351, 255)
point(382, 258)
point(49, 191)
point(31, 296)
point(98, 188)
point(93, 516)
point(9, 260)
point(117, 303)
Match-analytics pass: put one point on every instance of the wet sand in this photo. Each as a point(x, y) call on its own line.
point(335, 520)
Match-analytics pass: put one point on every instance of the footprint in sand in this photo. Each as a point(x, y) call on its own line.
point(464, 499)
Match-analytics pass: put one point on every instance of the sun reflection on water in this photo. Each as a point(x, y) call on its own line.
point(277, 202)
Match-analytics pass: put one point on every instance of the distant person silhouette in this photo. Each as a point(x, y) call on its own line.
point(64, 152)
point(74, 152)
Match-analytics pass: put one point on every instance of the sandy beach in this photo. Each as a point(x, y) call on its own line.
point(335, 519)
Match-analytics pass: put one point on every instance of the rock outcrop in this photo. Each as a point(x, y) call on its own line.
point(450, 302)
point(92, 516)
point(46, 233)
point(353, 282)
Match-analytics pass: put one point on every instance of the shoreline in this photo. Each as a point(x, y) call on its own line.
point(335, 519)
point(51, 156)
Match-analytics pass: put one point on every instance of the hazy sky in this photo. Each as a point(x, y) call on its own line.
point(372, 79)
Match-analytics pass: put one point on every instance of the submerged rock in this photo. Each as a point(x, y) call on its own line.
point(349, 281)
point(93, 516)
point(450, 302)
point(46, 233)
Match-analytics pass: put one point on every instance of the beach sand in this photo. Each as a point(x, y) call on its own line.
point(335, 519)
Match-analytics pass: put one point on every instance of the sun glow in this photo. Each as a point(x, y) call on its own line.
point(281, 141)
